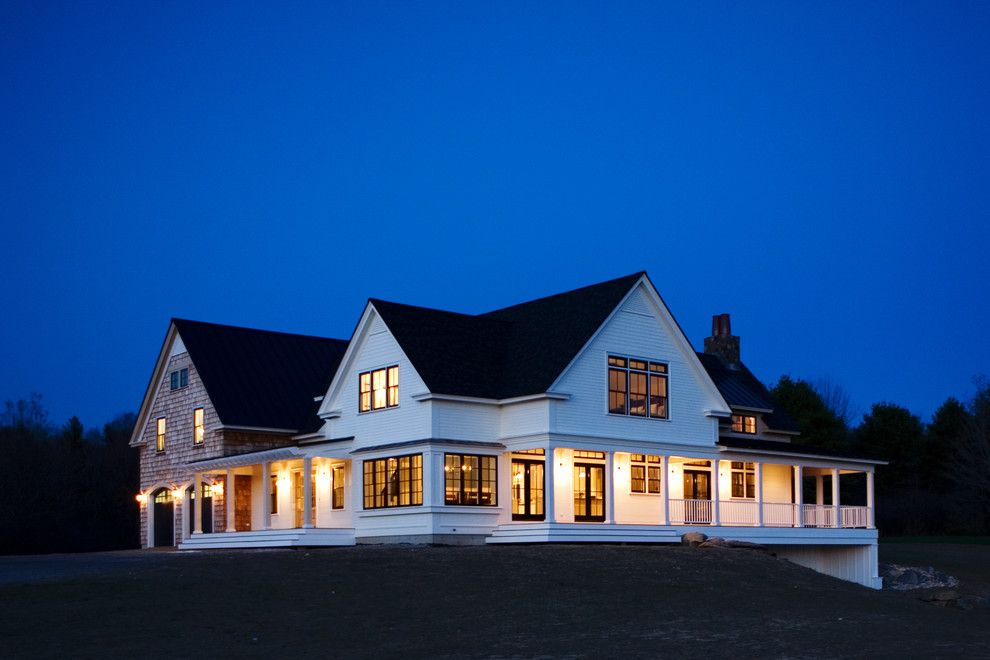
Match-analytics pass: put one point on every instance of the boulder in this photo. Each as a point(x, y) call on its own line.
point(718, 542)
point(693, 539)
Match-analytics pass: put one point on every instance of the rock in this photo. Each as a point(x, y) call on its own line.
point(904, 578)
point(693, 539)
point(972, 603)
point(718, 542)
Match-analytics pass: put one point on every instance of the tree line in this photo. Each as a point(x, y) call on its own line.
point(65, 488)
point(937, 480)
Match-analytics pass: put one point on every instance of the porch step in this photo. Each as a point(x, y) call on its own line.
point(578, 533)
point(274, 538)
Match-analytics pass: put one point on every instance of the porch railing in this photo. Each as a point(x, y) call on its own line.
point(746, 513)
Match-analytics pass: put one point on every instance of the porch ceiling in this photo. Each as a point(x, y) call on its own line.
point(241, 460)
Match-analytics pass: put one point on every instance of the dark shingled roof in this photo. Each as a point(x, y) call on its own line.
point(261, 378)
point(739, 387)
point(792, 448)
point(505, 353)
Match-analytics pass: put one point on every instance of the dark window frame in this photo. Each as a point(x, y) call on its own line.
point(391, 389)
point(649, 467)
point(273, 493)
point(624, 373)
point(747, 480)
point(336, 489)
point(739, 424)
point(378, 493)
point(178, 379)
point(450, 472)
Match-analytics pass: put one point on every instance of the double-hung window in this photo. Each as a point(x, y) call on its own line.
point(178, 379)
point(338, 487)
point(470, 479)
point(160, 435)
point(637, 388)
point(394, 481)
point(378, 389)
point(743, 480)
point(199, 431)
point(644, 474)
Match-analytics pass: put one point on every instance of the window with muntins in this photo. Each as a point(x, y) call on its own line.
point(637, 388)
point(744, 424)
point(393, 482)
point(470, 479)
point(743, 480)
point(338, 487)
point(378, 389)
point(160, 435)
point(178, 379)
point(644, 474)
point(273, 492)
point(199, 432)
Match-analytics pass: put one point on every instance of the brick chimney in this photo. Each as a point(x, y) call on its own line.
point(722, 342)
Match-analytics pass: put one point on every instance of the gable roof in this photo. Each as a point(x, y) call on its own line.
point(260, 378)
point(505, 353)
point(740, 388)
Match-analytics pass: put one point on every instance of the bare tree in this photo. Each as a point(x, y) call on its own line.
point(836, 398)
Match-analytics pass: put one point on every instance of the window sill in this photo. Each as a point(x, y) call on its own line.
point(651, 419)
point(646, 494)
point(378, 410)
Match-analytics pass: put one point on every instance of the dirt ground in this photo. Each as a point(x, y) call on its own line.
point(513, 601)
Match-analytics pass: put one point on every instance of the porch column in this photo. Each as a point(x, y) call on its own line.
point(759, 494)
point(266, 495)
point(835, 497)
point(198, 504)
point(819, 490)
point(548, 486)
point(665, 489)
point(610, 487)
point(798, 496)
point(869, 500)
point(716, 519)
point(228, 493)
point(307, 476)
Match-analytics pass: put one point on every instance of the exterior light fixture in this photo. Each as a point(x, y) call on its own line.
point(141, 498)
point(218, 488)
point(176, 494)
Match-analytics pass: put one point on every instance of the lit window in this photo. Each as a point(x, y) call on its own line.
point(644, 473)
point(637, 387)
point(273, 492)
point(600, 455)
point(744, 424)
point(178, 379)
point(470, 479)
point(743, 480)
point(392, 482)
point(198, 431)
point(160, 443)
point(378, 389)
point(338, 487)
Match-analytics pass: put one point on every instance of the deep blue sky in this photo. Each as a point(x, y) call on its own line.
point(818, 171)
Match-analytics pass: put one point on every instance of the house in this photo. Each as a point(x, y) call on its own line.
point(585, 416)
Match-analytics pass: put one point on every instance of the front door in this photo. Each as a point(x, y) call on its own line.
point(207, 509)
point(527, 490)
point(697, 496)
point(164, 519)
point(242, 502)
point(589, 492)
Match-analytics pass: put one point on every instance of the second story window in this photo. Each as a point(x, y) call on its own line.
point(160, 435)
point(637, 388)
point(378, 389)
point(178, 379)
point(744, 424)
point(199, 432)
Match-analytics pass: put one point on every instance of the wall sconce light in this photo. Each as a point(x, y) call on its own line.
point(141, 498)
point(176, 494)
point(218, 488)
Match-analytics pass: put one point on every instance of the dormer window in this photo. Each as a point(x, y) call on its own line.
point(637, 388)
point(744, 424)
point(378, 389)
point(178, 379)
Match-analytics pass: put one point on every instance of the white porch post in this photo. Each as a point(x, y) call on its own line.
point(307, 476)
point(835, 497)
point(548, 486)
point(228, 494)
point(266, 495)
point(799, 496)
point(198, 504)
point(759, 494)
point(665, 489)
point(819, 490)
point(716, 519)
point(610, 487)
point(870, 520)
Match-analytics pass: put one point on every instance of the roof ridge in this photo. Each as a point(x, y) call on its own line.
point(637, 275)
point(421, 307)
point(227, 326)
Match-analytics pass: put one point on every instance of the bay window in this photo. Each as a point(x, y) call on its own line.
point(470, 479)
point(393, 482)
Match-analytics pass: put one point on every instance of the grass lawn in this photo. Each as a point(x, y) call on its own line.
point(415, 601)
